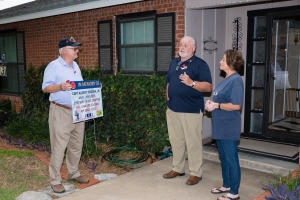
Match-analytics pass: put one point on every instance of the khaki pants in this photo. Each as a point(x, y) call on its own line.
point(185, 133)
point(64, 134)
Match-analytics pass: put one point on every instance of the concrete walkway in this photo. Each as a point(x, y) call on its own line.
point(147, 183)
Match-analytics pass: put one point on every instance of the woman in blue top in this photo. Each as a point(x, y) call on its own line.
point(226, 123)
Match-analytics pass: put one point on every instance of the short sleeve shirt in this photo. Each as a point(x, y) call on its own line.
point(57, 72)
point(183, 98)
point(226, 125)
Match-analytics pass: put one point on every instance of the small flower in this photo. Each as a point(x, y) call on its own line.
point(183, 66)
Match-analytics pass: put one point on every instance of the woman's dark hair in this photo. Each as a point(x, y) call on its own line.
point(234, 59)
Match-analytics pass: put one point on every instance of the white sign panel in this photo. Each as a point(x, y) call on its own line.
point(86, 100)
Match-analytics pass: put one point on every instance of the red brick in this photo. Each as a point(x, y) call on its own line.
point(83, 27)
point(92, 181)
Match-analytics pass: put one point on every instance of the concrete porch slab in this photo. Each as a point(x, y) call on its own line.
point(147, 183)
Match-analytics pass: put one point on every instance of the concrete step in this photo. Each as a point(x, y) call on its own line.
point(254, 162)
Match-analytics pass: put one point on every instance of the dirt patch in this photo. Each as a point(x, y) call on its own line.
point(90, 166)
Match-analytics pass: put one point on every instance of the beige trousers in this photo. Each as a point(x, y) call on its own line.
point(64, 134)
point(185, 133)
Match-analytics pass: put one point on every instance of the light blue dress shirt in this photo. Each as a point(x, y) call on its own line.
point(57, 72)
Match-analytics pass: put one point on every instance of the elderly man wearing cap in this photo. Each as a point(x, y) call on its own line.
point(63, 132)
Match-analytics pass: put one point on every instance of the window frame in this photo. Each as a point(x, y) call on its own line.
point(133, 17)
point(139, 17)
point(21, 61)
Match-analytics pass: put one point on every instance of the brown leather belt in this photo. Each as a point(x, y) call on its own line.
point(60, 105)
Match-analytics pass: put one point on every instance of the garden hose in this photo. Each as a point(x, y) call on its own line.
point(113, 155)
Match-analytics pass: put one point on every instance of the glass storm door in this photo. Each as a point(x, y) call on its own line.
point(278, 69)
point(284, 86)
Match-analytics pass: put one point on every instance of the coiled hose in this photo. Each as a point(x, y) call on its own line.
point(113, 155)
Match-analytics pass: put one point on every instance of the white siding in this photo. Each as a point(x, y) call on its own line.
point(217, 3)
point(217, 23)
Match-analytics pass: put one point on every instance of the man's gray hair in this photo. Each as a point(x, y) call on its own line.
point(60, 50)
point(194, 42)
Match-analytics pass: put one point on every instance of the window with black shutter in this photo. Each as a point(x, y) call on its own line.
point(105, 47)
point(145, 42)
point(165, 41)
point(12, 62)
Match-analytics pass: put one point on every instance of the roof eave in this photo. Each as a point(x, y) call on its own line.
point(65, 10)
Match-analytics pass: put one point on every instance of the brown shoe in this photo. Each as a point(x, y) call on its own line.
point(193, 180)
point(59, 188)
point(81, 179)
point(173, 174)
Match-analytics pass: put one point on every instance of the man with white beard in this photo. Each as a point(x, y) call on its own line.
point(188, 77)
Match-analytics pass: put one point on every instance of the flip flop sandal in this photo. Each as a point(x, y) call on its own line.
point(229, 198)
point(219, 191)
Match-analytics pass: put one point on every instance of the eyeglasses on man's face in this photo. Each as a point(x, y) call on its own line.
point(74, 49)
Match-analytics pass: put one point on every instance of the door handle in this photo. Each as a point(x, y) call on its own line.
point(273, 77)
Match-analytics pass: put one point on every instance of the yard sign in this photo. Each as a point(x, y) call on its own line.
point(86, 100)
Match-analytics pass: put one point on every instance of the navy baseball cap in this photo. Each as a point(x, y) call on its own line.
point(70, 41)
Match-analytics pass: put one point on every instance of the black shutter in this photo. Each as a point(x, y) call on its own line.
point(165, 38)
point(105, 47)
point(21, 60)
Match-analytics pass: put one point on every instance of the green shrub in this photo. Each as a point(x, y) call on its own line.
point(134, 110)
point(34, 99)
point(5, 105)
point(6, 111)
point(133, 107)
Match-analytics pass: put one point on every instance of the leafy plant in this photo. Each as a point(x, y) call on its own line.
point(133, 107)
point(91, 165)
point(134, 110)
point(284, 188)
point(34, 100)
point(5, 105)
point(32, 128)
point(6, 111)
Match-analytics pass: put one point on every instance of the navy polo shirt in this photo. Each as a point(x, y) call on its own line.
point(226, 125)
point(183, 98)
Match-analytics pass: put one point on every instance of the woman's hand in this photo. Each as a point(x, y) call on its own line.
point(210, 105)
point(206, 103)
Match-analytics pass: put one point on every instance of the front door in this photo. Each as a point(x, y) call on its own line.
point(284, 77)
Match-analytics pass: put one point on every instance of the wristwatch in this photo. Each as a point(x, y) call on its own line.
point(193, 84)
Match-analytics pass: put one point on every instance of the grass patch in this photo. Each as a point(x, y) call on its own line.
point(11, 153)
point(20, 171)
point(10, 194)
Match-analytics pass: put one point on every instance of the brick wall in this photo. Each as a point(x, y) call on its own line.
point(42, 35)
